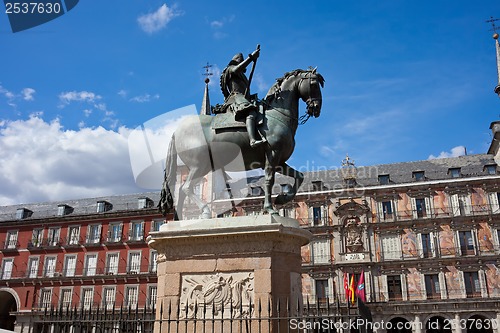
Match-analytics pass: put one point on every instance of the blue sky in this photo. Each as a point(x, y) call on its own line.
point(405, 81)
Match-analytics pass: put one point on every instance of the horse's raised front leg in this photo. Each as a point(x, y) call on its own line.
point(298, 177)
point(269, 173)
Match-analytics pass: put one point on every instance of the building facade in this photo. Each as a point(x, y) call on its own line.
point(79, 254)
point(425, 235)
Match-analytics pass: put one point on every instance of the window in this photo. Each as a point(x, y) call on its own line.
point(87, 298)
point(103, 206)
point(426, 245)
point(494, 198)
point(45, 298)
point(384, 179)
point(50, 266)
point(94, 234)
point(53, 236)
point(394, 287)
point(108, 298)
point(145, 203)
point(491, 169)
point(386, 210)
point(131, 296)
point(461, 204)
point(472, 285)
point(432, 286)
point(153, 265)
point(466, 242)
point(152, 296)
point(114, 233)
point(287, 212)
point(321, 290)
point(7, 265)
point(23, 213)
point(285, 188)
point(391, 247)
point(317, 185)
point(256, 191)
point(112, 260)
point(317, 215)
point(65, 298)
point(74, 235)
point(11, 241)
point(69, 265)
point(63, 210)
point(156, 224)
point(321, 251)
point(90, 264)
point(136, 231)
point(33, 267)
point(454, 172)
point(36, 238)
point(134, 262)
point(419, 175)
point(420, 208)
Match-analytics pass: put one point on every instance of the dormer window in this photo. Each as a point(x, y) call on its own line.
point(384, 179)
point(64, 210)
point(317, 185)
point(103, 206)
point(256, 191)
point(454, 172)
point(491, 169)
point(23, 213)
point(285, 188)
point(145, 203)
point(419, 175)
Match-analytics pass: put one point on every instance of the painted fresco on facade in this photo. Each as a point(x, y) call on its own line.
point(441, 204)
point(485, 238)
point(409, 243)
point(446, 241)
point(479, 201)
point(453, 283)
point(307, 284)
point(414, 281)
point(305, 252)
point(404, 207)
point(492, 280)
point(302, 213)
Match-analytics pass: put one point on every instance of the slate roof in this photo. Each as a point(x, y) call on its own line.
point(400, 173)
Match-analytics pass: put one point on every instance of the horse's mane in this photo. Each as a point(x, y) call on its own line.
point(276, 87)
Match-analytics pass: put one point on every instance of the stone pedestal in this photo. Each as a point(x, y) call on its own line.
point(226, 266)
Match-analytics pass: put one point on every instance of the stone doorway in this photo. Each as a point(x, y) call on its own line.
point(8, 305)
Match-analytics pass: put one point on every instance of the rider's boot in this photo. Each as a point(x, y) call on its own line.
point(252, 131)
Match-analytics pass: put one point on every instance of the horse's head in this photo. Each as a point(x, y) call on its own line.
point(309, 88)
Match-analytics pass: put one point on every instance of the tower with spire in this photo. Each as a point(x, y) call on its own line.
point(205, 104)
point(495, 126)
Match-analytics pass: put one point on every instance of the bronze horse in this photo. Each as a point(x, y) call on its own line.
point(280, 121)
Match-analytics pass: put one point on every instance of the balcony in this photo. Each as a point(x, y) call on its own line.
point(436, 213)
point(92, 241)
point(113, 239)
point(72, 242)
point(49, 243)
point(134, 237)
point(10, 246)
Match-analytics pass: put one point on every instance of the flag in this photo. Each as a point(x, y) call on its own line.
point(360, 290)
point(351, 289)
point(346, 286)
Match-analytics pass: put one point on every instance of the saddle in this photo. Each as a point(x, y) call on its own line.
point(225, 120)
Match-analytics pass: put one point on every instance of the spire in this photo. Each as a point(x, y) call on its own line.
point(205, 104)
point(497, 46)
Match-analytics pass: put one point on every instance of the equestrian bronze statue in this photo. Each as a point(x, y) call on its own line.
point(279, 119)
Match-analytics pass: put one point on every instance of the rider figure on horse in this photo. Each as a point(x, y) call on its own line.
point(236, 89)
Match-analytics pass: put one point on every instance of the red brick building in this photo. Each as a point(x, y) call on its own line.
point(83, 253)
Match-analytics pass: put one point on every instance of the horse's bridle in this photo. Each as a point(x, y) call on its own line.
point(310, 100)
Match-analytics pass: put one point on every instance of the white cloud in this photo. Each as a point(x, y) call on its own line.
point(87, 112)
point(28, 94)
point(216, 24)
point(78, 96)
point(157, 20)
point(144, 98)
point(454, 152)
point(122, 93)
point(42, 161)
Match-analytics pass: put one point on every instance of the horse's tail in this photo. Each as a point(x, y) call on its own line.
point(166, 204)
